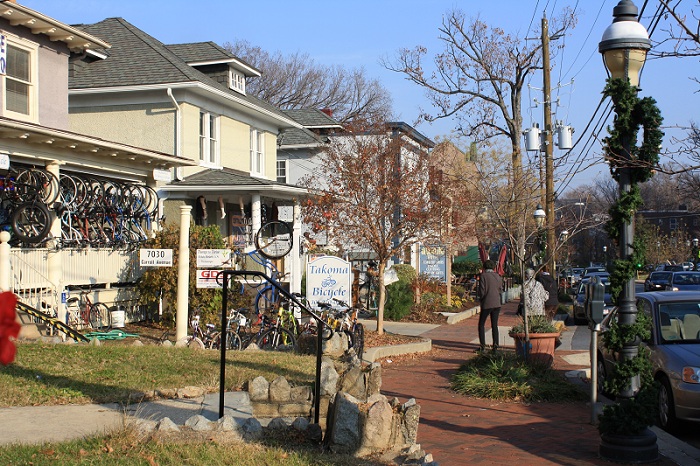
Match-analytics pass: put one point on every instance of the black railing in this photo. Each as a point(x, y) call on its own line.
point(224, 276)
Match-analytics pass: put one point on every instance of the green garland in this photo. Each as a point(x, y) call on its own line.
point(631, 114)
point(631, 415)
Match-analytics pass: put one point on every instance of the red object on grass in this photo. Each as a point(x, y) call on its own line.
point(9, 328)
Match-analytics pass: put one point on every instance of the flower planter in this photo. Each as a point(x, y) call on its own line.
point(541, 348)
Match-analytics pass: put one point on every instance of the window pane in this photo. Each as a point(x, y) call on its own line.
point(17, 95)
point(18, 63)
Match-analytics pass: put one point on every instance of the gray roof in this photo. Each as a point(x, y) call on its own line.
point(200, 51)
point(300, 137)
point(205, 51)
point(312, 118)
point(137, 59)
point(224, 177)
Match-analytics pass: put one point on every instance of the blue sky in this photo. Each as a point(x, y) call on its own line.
point(357, 34)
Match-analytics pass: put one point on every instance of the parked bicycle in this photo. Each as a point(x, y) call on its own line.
point(83, 313)
point(368, 291)
point(341, 318)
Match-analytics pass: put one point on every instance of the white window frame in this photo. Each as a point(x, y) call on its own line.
point(32, 105)
point(209, 143)
point(673, 223)
point(282, 170)
point(236, 80)
point(257, 152)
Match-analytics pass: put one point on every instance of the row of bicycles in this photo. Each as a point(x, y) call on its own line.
point(280, 331)
point(94, 212)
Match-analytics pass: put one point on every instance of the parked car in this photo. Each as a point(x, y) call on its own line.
point(579, 302)
point(589, 275)
point(675, 353)
point(688, 266)
point(657, 281)
point(590, 270)
point(669, 267)
point(684, 281)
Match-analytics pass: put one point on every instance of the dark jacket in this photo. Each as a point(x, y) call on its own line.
point(490, 287)
point(550, 285)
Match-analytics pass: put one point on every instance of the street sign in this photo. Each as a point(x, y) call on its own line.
point(213, 258)
point(156, 257)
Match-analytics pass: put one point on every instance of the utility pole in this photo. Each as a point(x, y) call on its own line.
point(548, 148)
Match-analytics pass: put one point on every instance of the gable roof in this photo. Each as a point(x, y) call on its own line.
point(300, 137)
point(138, 59)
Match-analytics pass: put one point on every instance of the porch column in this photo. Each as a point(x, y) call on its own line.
point(296, 272)
point(54, 257)
point(183, 274)
point(5, 265)
point(255, 213)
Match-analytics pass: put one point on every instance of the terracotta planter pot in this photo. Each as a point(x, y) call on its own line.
point(541, 348)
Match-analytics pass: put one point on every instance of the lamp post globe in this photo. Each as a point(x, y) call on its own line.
point(539, 216)
point(625, 44)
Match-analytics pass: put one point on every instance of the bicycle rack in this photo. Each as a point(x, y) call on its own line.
point(224, 276)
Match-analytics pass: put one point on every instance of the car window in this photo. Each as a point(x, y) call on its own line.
point(659, 275)
point(680, 321)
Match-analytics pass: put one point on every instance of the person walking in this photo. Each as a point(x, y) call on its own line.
point(551, 305)
point(535, 295)
point(490, 287)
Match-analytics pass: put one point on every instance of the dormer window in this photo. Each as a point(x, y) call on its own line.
point(236, 81)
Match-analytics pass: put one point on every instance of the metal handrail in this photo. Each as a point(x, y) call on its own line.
point(224, 276)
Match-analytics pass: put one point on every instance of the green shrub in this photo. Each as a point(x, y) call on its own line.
point(399, 300)
point(466, 268)
point(405, 272)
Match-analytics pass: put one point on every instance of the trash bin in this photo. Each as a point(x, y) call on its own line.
point(118, 317)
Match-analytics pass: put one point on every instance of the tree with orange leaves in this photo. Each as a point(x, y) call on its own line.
point(371, 194)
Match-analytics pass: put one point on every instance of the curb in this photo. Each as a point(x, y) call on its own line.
point(378, 352)
point(460, 316)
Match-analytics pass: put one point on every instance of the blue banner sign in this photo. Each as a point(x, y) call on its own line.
point(433, 261)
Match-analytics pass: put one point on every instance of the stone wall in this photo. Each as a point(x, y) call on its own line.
point(354, 416)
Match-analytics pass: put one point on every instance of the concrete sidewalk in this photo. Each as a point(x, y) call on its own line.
point(39, 424)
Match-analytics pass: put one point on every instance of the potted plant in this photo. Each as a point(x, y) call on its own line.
point(538, 342)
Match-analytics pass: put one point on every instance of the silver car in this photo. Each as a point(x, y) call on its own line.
point(675, 353)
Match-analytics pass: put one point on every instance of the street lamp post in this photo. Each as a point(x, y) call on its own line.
point(624, 47)
point(540, 215)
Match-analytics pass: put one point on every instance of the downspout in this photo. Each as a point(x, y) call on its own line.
point(178, 121)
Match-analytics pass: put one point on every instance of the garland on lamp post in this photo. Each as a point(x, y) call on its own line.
point(631, 415)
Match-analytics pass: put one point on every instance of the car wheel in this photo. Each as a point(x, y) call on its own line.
point(667, 411)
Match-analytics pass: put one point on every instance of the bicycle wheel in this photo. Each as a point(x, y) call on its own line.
point(363, 296)
point(31, 222)
point(267, 301)
point(357, 339)
point(195, 343)
point(279, 339)
point(99, 316)
point(274, 239)
point(233, 341)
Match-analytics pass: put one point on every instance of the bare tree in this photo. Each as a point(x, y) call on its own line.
point(372, 193)
point(681, 36)
point(478, 78)
point(296, 81)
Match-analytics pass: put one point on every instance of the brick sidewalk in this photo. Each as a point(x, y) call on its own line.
point(458, 429)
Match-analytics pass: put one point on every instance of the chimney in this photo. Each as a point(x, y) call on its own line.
point(328, 112)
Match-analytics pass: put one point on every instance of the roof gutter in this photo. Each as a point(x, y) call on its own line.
point(189, 85)
point(178, 122)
